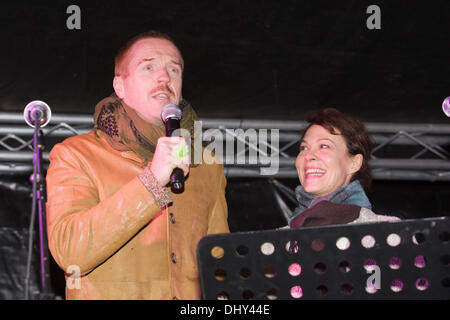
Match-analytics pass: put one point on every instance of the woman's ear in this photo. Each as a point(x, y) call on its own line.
point(356, 163)
point(118, 86)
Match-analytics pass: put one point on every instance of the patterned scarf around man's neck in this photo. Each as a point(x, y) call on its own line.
point(352, 193)
point(126, 130)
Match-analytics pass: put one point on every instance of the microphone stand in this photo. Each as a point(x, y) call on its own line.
point(38, 196)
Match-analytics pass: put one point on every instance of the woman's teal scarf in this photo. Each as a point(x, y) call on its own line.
point(352, 193)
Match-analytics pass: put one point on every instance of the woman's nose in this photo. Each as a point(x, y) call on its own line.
point(310, 154)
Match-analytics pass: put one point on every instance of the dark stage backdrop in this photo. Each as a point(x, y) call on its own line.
point(244, 59)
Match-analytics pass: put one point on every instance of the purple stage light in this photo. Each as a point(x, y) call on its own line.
point(446, 106)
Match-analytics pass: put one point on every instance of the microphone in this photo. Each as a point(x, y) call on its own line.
point(37, 112)
point(446, 106)
point(171, 116)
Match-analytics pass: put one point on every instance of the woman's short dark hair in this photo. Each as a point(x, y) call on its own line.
point(354, 133)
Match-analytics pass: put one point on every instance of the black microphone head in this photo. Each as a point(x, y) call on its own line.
point(171, 111)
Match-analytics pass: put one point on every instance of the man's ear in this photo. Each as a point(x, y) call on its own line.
point(118, 86)
point(356, 164)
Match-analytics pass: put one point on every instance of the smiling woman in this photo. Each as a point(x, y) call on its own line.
point(323, 163)
point(333, 170)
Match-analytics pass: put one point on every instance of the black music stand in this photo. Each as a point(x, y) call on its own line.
point(407, 259)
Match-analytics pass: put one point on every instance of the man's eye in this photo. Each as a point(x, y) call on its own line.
point(324, 146)
point(148, 67)
point(175, 70)
point(303, 148)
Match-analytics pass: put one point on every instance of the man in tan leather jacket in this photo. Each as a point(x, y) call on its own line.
point(113, 226)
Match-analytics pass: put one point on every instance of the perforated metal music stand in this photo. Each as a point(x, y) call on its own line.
point(407, 259)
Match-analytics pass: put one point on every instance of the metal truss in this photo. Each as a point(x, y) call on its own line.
point(401, 151)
